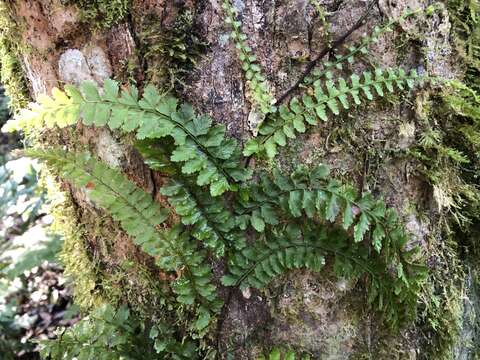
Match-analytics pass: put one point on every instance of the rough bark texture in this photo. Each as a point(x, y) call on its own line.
point(309, 311)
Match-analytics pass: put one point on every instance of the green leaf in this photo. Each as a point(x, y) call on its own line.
point(90, 91)
point(298, 124)
point(251, 147)
point(183, 153)
point(295, 203)
point(269, 215)
point(271, 148)
point(274, 354)
point(203, 319)
point(348, 216)
point(218, 187)
point(257, 221)
point(377, 237)
point(332, 209)
point(361, 228)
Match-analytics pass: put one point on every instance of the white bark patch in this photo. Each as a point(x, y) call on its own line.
point(98, 63)
point(91, 64)
point(109, 150)
point(73, 67)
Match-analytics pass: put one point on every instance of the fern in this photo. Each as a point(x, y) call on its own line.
point(140, 216)
point(360, 48)
point(201, 148)
point(314, 194)
point(211, 222)
point(328, 98)
point(306, 246)
point(279, 354)
point(259, 90)
point(165, 342)
point(307, 195)
point(106, 334)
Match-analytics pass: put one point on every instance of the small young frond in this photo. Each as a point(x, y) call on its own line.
point(199, 145)
point(259, 91)
point(279, 354)
point(328, 98)
point(355, 50)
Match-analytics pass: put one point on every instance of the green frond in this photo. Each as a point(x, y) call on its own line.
point(328, 98)
point(139, 216)
point(307, 196)
point(210, 220)
point(259, 91)
point(358, 49)
point(314, 194)
point(307, 246)
point(280, 354)
point(200, 146)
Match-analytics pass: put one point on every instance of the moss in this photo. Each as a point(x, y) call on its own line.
point(466, 36)
point(443, 296)
point(169, 53)
point(102, 14)
point(78, 266)
point(11, 73)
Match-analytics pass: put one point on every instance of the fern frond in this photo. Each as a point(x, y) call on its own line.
point(303, 246)
point(357, 49)
point(259, 91)
point(328, 98)
point(139, 216)
point(312, 193)
point(280, 354)
point(208, 216)
point(201, 148)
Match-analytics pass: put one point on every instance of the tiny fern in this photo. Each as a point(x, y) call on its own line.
point(279, 354)
point(327, 98)
point(201, 148)
point(259, 90)
point(140, 217)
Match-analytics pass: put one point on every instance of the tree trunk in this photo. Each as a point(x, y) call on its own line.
point(310, 312)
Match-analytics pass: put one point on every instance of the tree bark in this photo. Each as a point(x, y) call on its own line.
point(313, 312)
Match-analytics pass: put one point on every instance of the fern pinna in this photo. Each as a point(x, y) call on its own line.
point(305, 220)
